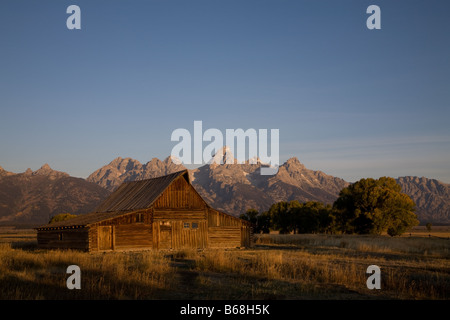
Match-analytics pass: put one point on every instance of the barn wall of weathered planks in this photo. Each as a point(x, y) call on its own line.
point(227, 231)
point(129, 231)
point(68, 238)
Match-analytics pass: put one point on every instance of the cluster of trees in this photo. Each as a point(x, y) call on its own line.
point(292, 216)
point(369, 206)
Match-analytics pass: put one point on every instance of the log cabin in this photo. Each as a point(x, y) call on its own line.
point(159, 213)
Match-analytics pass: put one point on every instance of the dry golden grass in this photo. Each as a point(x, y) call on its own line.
point(35, 274)
point(278, 267)
point(412, 268)
point(436, 231)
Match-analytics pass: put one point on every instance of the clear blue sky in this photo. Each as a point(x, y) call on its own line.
point(349, 101)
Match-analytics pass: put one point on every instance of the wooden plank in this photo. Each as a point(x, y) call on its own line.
point(133, 235)
point(180, 194)
point(189, 237)
point(165, 236)
point(217, 218)
point(180, 214)
point(69, 238)
point(227, 237)
point(105, 238)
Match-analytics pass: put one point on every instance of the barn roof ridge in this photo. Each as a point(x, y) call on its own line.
point(177, 173)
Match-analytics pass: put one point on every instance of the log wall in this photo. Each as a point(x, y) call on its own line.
point(224, 237)
point(64, 239)
point(228, 231)
point(130, 231)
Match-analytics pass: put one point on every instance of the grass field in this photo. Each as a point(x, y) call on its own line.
point(278, 267)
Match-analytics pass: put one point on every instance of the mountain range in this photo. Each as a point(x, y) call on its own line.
point(34, 196)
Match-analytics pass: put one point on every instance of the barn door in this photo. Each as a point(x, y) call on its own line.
point(105, 238)
point(165, 235)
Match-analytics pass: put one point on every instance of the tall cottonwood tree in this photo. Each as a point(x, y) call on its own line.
point(374, 206)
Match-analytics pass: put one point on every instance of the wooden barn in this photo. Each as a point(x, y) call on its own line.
point(159, 213)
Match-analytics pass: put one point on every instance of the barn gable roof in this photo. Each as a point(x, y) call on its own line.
point(139, 194)
point(130, 196)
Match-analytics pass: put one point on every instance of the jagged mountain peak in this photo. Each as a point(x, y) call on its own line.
point(223, 156)
point(43, 169)
point(293, 160)
point(293, 164)
point(4, 173)
point(46, 170)
point(121, 161)
point(120, 170)
point(154, 162)
point(172, 160)
point(116, 161)
point(157, 160)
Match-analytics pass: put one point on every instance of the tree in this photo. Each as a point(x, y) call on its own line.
point(401, 213)
point(429, 225)
point(374, 206)
point(250, 215)
point(311, 217)
point(293, 216)
point(263, 223)
point(326, 220)
point(280, 216)
point(62, 217)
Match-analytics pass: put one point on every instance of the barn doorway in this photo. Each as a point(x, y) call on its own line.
point(165, 235)
point(105, 238)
